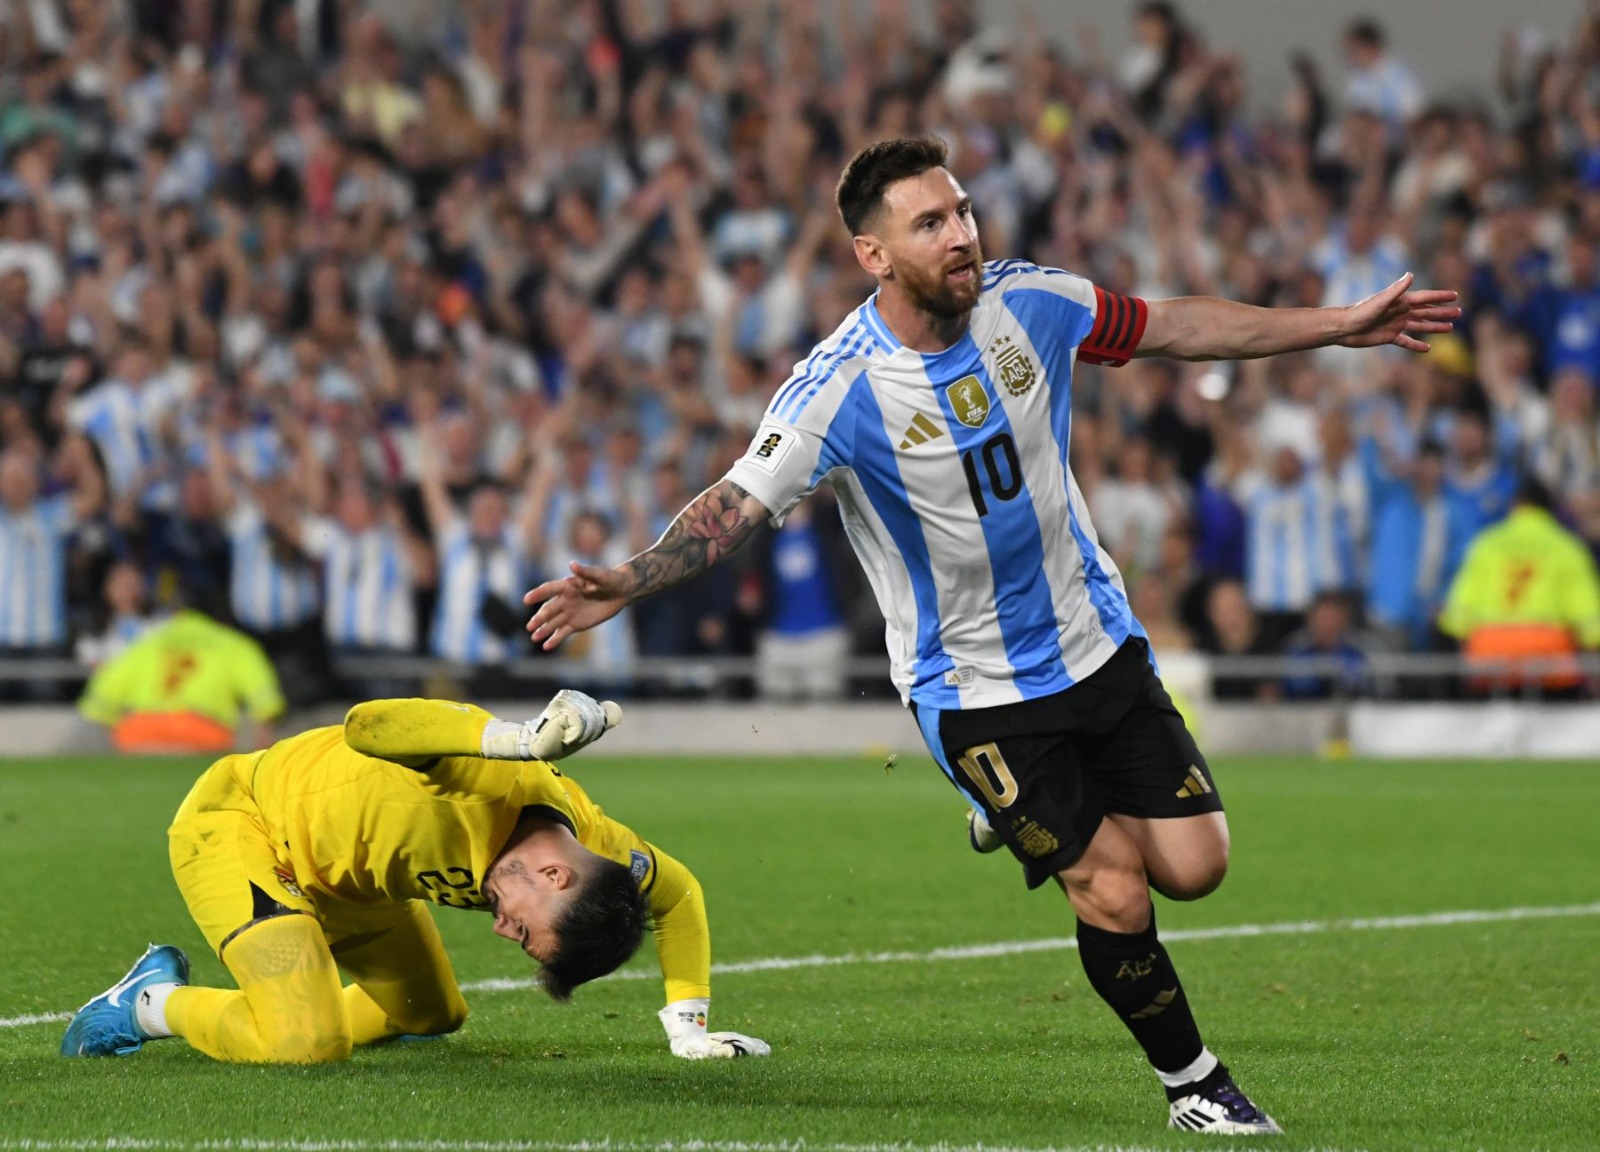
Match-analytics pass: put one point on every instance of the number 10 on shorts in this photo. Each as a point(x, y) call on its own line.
point(986, 768)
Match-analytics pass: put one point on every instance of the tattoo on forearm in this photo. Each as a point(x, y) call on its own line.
point(708, 530)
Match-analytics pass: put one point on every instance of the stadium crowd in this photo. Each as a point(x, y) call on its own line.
point(348, 333)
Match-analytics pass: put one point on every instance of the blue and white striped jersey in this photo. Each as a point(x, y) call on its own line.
point(269, 589)
point(952, 478)
point(367, 586)
point(469, 570)
point(1297, 543)
point(125, 424)
point(113, 416)
point(33, 573)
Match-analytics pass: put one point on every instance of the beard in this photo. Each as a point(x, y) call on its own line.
point(938, 295)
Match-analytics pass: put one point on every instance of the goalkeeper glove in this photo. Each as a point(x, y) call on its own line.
point(569, 722)
point(685, 1022)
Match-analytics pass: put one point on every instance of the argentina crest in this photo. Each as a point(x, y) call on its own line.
point(1013, 368)
point(968, 401)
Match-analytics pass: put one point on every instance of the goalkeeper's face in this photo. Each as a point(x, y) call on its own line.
point(528, 901)
point(579, 915)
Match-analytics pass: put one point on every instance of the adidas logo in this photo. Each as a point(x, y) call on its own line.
point(921, 431)
point(1195, 785)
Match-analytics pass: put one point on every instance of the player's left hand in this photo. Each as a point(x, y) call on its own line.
point(572, 720)
point(685, 1022)
point(1398, 315)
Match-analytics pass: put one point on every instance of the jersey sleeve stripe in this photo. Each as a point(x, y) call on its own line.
point(825, 371)
point(815, 363)
point(792, 398)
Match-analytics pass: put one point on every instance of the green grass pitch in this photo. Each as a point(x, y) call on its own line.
point(1426, 1035)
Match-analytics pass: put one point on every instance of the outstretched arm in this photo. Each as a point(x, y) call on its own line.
point(683, 946)
point(1208, 328)
point(711, 528)
point(415, 732)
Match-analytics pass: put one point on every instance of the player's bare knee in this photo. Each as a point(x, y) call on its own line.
point(1197, 880)
point(1117, 899)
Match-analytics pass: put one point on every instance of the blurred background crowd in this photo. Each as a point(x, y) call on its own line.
point(350, 336)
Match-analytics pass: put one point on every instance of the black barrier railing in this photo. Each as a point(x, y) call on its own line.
point(1372, 675)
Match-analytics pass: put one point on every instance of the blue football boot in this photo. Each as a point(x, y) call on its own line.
point(108, 1024)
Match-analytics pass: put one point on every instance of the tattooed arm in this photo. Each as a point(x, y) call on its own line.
point(712, 527)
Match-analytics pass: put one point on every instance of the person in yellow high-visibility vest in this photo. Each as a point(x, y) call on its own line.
point(1527, 593)
point(185, 686)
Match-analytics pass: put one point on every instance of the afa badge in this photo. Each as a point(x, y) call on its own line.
point(969, 401)
point(1012, 366)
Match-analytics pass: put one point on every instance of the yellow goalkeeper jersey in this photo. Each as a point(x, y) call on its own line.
point(364, 829)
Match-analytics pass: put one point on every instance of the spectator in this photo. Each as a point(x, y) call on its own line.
point(483, 563)
point(1130, 512)
point(371, 564)
point(274, 590)
point(1527, 594)
point(187, 553)
point(34, 533)
point(124, 616)
point(803, 648)
point(1188, 584)
point(1235, 632)
point(1327, 638)
point(1420, 529)
point(1565, 318)
point(1567, 458)
point(1487, 483)
point(1298, 542)
point(1377, 81)
point(1150, 596)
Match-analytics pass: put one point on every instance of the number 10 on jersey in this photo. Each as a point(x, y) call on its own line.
point(999, 460)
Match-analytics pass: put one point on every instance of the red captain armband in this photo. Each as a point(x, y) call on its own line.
point(1118, 327)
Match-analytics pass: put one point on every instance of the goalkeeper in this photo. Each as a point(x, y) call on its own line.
point(320, 854)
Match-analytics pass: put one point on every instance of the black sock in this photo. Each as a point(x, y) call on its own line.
point(1133, 974)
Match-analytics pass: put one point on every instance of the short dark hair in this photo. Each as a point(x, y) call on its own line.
point(875, 167)
point(1366, 31)
point(1532, 490)
point(601, 930)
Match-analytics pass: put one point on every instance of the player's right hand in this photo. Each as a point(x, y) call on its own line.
point(590, 596)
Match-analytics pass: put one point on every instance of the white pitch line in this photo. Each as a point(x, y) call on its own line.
point(1063, 943)
point(243, 1144)
point(1022, 947)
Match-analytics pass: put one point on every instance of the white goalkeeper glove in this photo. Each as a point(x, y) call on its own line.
point(685, 1022)
point(569, 722)
point(572, 720)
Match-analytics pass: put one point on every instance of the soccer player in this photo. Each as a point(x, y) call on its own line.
point(320, 855)
point(939, 411)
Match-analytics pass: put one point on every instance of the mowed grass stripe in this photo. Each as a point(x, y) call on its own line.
point(1021, 947)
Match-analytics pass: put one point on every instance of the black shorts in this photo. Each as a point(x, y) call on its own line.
point(1046, 772)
